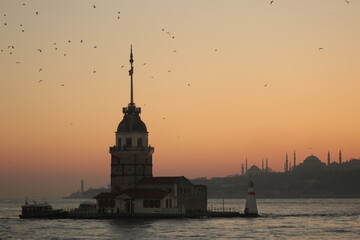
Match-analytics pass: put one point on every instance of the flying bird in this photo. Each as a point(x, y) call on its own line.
point(94, 71)
point(95, 46)
point(18, 62)
point(265, 85)
point(81, 40)
point(271, 2)
point(39, 50)
point(5, 24)
point(94, 6)
point(320, 48)
point(40, 81)
point(40, 69)
point(144, 64)
point(347, 1)
point(37, 13)
point(62, 85)
point(169, 70)
point(122, 66)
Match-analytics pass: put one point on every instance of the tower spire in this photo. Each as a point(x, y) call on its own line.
point(131, 72)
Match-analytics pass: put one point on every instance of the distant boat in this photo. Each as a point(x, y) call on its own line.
point(41, 210)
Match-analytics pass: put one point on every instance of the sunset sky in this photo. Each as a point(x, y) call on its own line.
point(230, 80)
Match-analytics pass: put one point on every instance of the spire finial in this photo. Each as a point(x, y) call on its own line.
point(131, 71)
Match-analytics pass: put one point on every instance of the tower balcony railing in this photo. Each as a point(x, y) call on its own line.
point(131, 148)
point(131, 109)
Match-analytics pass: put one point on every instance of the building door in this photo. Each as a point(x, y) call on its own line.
point(129, 206)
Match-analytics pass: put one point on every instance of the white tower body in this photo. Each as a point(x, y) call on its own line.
point(250, 206)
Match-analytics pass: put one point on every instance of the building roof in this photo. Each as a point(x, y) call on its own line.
point(135, 193)
point(145, 193)
point(159, 180)
point(312, 159)
point(107, 195)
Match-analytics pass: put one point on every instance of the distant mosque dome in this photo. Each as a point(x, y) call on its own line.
point(253, 170)
point(312, 162)
point(132, 123)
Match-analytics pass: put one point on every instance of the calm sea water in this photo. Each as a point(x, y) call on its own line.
point(280, 219)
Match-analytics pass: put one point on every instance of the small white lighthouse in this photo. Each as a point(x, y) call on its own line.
point(250, 206)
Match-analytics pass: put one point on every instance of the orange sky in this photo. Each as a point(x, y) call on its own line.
point(53, 136)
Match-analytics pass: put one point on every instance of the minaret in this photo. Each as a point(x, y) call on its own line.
point(246, 166)
point(340, 157)
point(262, 164)
point(242, 169)
point(131, 156)
point(294, 159)
point(286, 163)
point(267, 165)
point(82, 186)
point(328, 158)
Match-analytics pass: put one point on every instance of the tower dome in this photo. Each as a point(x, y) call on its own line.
point(131, 122)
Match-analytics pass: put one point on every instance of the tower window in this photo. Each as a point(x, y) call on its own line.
point(139, 142)
point(128, 142)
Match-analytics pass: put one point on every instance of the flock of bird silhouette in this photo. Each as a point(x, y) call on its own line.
point(55, 45)
point(11, 48)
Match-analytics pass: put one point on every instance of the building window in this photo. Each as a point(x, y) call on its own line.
point(157, 203)
point(119, 142)
point(151, 203)
point(128, 142)
point(139, 142)
point(168, 203)
point(146, 203)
